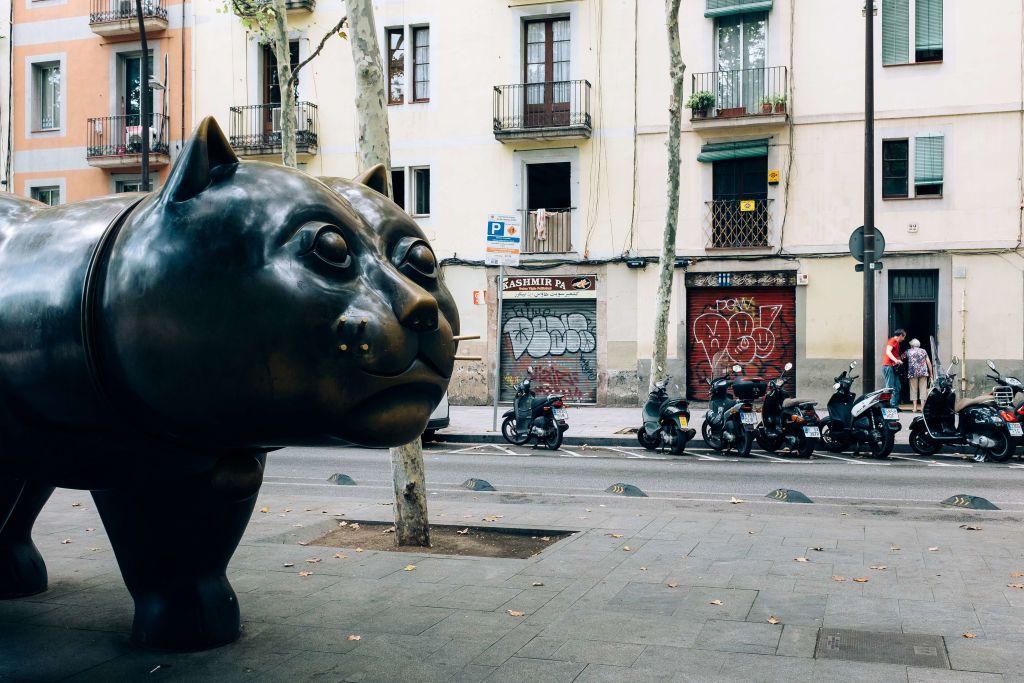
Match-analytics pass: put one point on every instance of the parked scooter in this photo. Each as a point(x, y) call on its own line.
point(665, 421)
point(854, 421)
point(543, 419)
point(729, 423)
point(790, 423)
point(946, 421)
point(1006, 391)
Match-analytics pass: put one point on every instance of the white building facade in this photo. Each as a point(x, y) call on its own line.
point(558, 112)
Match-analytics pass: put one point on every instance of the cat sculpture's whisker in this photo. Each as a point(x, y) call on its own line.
point(465, 337)
point(468, 357)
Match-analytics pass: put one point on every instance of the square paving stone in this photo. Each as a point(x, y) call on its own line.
point(735, 605)
point(864, 614)
point(678, 662)
point(598, 652)
point(627, 627)
point(602, 673)
point(797, 641)
point(790, 608)
point(646, 597)
point(946, 618)
point(517, 670)
point(986, 655)
point(739, 636)
point(753, 667)
point(482, 598)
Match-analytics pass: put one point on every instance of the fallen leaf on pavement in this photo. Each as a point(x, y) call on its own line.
point(355, 525)
point(1014, 575)
point(313, 560)
point(862, 579)
point(969, 635)
point(735, 501)
point(773, 620)
point(545, 538)
point(839, 578)
point(303, 542)
point(93, 549)
point(715, 602)
point(586, 510)
point(90, 529)
point(513, 613)
point(287, 510)
point(818, 549)
point(672, 584)
point(537, 583)
point(342, 523)
point(463, 531)
point(353, 637)
point(76, 505)
point(626, 548)
point(65, 541)
point(643, 569)
point(359, 550)
point(264, 510)
point(879, 567)
point(389, 530)
point(801, 559)
point(409, 567)
point(339, 556)
point(933, 549)
point(289, 564)
point(297, 525)
point(751, 532)
point(970, 527)
point(615, 535)
point(1015, 585)
point(304, 574)
point(893, 548)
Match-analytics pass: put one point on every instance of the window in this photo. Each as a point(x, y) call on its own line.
point(421, 64)
point(895, 167)
point(396, 65)
point(398, 186)
point(47, 194)
point(896, 38)
point(421, 191)
point(130, 82)
point(132, 184)
point(547, 71)
point(47, 91)
point(929, 167)
point(741, 48)
point(271, 87)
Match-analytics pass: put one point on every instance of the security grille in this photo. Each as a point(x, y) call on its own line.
point(737, 223)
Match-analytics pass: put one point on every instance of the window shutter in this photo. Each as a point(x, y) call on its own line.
point(721, 8)
point(928, 25)
point(929, 160)
point(895, 31)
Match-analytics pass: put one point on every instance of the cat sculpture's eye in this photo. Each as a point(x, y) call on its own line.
point(414, 257)
point(331, 247)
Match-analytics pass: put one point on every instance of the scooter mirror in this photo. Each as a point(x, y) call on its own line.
point(956, 360)
point(789, 366)
point(529, 370)
point(737, 369)
point(992, 365)
point(836, 386)
point(853, 365)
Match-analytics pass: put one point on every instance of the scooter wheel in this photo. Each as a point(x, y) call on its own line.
point(830, 442)
point(714, 442)
point(650, 443)
point(1003, 450)
point(744, 442)
point(766, 442)
point(553, 439)
point(806, 447)
point(678, 443)
point(508, 431)
point(882, 448)
point(922, 444)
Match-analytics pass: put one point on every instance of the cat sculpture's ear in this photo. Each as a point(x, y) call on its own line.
point(375, 178)
point(207, 150)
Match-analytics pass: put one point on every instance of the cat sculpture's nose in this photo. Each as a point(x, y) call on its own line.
point(417, 310)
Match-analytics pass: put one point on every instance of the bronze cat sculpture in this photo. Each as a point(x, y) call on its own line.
point(154, 347)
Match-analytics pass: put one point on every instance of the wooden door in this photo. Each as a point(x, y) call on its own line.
point(547, 92)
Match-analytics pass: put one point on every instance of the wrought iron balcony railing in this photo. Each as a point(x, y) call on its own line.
point(553, 109)
point(738, 223)
point(256, 129)
point(103, 11)
point(739, 92)
point(117, 138)
point(548, 233)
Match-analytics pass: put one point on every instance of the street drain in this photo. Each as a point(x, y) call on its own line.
point(880, 647)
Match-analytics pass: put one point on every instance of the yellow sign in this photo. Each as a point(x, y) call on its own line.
point(747, 205)
point(773, 176)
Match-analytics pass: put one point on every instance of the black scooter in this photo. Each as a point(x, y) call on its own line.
point(790, 423)
point(665, 421)
point(855, 421)
point(980, 424)
point(729, 423)
point(543, 419)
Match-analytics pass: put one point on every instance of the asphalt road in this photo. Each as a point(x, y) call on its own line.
point(554, 477)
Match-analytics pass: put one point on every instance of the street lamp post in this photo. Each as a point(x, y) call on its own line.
point(868, 354)
point(144, 95)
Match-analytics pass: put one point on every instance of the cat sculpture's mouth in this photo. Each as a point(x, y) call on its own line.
point(420, 365)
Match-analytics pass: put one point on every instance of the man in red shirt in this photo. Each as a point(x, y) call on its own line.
point(891, 361)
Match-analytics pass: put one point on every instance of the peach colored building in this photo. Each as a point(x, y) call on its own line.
point(74, 119)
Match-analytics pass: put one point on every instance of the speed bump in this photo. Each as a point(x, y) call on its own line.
point(477, 485)
point(788, 496)
point(625, 490)
point(962, 500)
point(342, 480)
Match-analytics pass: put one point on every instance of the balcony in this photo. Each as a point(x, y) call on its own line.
point(255, 130)
point(542, 111)
point(116, 142)
point(742, 97)
point(550, 234)
point(300, 6)
point(118, 17)
point(738, 224)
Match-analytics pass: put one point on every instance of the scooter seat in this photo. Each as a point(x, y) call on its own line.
point(976, 401)
point(794, 402)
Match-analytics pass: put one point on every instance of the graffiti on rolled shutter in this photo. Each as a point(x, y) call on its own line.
point(754, 327)
point(549, 323)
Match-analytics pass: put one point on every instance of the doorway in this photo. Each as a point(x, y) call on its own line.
point(739, 212)
point(740, 50)
point(913, 306)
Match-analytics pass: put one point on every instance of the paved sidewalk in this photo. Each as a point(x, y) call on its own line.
point(648, 590)
point(593, 426)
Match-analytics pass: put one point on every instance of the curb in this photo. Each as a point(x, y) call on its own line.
point(618, 441)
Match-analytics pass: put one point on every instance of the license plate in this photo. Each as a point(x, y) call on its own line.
point(748, 418)
point(1015, 429)
point(561, 414)
point(891, 413)
point(812, 432)
point(682, 421)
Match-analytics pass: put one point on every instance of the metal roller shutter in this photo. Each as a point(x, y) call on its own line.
point(754, 327)
point(559, 339)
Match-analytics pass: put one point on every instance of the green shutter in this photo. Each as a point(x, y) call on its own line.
point(928, 25)
point(722, 151)
point(929, 160)
point(721, 8)
point(895, 31)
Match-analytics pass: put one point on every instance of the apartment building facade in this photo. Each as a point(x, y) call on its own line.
point(73, 120)
point(557, 112)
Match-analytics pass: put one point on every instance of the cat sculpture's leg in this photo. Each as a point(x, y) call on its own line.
point(173, 539)
point(22, 570)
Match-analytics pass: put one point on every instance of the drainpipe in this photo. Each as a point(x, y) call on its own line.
point(144, 94)
point(963, 341)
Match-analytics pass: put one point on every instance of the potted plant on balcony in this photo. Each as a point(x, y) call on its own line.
point(700, 102)
point(766, 105)
point(780, 104)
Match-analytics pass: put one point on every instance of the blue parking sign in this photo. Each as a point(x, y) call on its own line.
point(495, 229)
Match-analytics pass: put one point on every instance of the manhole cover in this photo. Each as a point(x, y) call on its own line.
point(881, 647)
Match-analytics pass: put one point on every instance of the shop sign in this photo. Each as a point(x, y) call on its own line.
point(550, 287)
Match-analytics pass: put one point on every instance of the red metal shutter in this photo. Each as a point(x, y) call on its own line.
point(754, 327)
point(559, 339)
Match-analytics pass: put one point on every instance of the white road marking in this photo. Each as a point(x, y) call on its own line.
point(503, 449)
point(769, 457)
point(622, 450)
point(577, 455)
point(930, 463)
point(471, 448)
point(858, 462)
